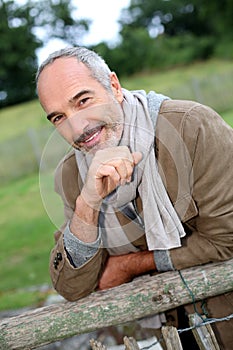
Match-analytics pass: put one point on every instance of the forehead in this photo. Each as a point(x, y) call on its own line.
point(62, 79)
point(63, 69)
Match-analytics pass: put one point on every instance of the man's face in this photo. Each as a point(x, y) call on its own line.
point(88, 116)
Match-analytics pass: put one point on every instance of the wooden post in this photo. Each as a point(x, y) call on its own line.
point(204, 335)
point(95, 345)
point(171, 338)
point(145, 296)
point(130, 344)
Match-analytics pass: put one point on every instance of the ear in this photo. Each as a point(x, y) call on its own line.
point(116, 87)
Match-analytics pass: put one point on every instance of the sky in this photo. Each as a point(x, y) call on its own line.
point(104, 15)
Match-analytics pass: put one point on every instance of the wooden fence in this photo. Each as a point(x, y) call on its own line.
point(142, 297)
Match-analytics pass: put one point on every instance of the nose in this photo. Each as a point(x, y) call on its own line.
point(77, 125)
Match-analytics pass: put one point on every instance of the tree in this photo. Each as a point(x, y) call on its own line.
point(191, 30)
point(175, 17)
point(19, 26)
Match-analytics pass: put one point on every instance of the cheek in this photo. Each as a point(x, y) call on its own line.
point(115, 112)
point(66, 132)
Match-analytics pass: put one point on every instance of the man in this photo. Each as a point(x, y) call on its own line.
point(148, 186)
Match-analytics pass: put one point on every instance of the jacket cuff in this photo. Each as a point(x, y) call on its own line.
point(163, 260)
point(79, 252)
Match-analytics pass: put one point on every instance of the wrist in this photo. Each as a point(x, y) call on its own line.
point(84, 221)
point(90, 201)
point(86, 212)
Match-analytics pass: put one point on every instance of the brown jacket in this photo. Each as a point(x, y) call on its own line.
point(194, 149)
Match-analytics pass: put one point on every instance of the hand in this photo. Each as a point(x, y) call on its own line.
point(110, 168)
point(123, 268)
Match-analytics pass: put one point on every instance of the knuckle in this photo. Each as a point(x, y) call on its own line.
point(112, 171)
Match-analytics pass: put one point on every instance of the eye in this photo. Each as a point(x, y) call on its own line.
point(83, 101)
point(57, 119)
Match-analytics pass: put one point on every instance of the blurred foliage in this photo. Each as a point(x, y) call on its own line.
point(176, 17)
point(154, 35)
point(19, 41)
point(160, 34)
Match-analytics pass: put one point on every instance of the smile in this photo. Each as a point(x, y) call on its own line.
point(90, 138)
point(93, 136)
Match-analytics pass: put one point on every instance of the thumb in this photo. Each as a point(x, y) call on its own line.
point(137, 157)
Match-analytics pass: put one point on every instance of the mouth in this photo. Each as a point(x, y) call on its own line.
point(89, 139)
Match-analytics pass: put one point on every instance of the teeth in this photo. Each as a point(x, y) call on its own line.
point(92, 137)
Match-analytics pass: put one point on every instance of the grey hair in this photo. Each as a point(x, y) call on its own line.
point(97, 66)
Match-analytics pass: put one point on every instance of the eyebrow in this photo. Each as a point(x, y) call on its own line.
point(71, 101)
point(78, 95)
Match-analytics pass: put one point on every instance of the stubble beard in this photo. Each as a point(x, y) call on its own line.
point(113, 134)
point(113, 131)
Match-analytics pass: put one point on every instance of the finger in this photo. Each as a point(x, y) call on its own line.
point(123, 166)
point(106, 170)
point(129, 171)
point(137, 157)
point(125, 170)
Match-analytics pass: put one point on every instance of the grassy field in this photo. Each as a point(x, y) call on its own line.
point(17, 119)
point(26, 232)
point(169, 80)
point(228, 117)
point(25, 240)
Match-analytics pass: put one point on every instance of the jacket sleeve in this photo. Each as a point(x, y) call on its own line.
point(210, 232)
point(71, 282)
point(74, 283)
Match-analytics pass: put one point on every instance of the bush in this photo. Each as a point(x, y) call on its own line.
point(224, 49)
point(139, 52)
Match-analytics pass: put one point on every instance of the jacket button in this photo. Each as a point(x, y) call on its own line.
point(59, 256)
point(55, 263)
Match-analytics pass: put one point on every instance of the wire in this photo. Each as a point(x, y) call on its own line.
point(204, 322)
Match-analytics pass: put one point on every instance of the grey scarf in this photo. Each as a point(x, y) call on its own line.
point(161, 224)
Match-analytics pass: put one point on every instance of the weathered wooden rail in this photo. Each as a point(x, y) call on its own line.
point(144, 296)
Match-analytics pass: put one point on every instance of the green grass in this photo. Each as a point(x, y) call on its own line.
point(228, 117)
point(26, 232)
point(20, 299)
point(19, 118)
point(26, 237)
point(167, 79)
point(209, 82)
